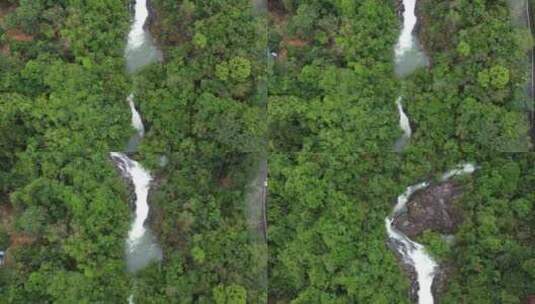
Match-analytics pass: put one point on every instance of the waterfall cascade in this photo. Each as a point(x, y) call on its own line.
point(413, 253)
point(408, 57)
point(141, 246)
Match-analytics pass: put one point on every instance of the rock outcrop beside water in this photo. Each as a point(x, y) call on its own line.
point(435, 208)
point(407, 267)
point(432, 208)
point(155, 212)
point(440, 283)
point(400, 8)
point(131, 195)
point(153, 15)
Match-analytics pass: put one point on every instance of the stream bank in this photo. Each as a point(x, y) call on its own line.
point(422, 206)
point(141, 245)
point(419, 202)
point(433, 208)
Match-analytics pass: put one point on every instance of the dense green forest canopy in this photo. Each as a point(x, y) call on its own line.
point(329, 199)
point(322, 105)
point(473, 99)
point(205, 110)
point(62, 211)
point(332, 55)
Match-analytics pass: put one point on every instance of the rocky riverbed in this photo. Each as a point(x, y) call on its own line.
point(431, 208)
point(131, 196)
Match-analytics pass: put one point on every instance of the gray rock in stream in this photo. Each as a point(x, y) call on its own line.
point(152, 15)
point(155, 215)
point(440, 283)
point(408, 268)
point(431, 208)
point(131, 199)
point(400, 9)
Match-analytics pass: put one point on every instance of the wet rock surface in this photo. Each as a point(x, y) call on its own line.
point(400, 8)
point(440, 283)
point(155, 212)
point(119, 166)
point(431, 208)
point(407, 267)
point(151, 19)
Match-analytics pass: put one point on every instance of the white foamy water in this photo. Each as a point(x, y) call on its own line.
point(404, 64)
point(137, 123)
point(405, 126)
point(140, 51)
point(136, 36)
point(140, 48)
point(412, 252)
point(466, 168)
point(408, 58)
point(406, 39)
point(141, 180)
point(403, 119)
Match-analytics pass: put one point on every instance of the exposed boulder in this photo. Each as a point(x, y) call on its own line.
point(431, 208)
point(407, 267)
point(400, 8)
point(131, 193)
point(440, 283)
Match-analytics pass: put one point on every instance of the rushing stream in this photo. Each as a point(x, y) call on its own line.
point(413, 253)
point(141, 245)
point(140, 49)
point(405, 126)
point(408, 57)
